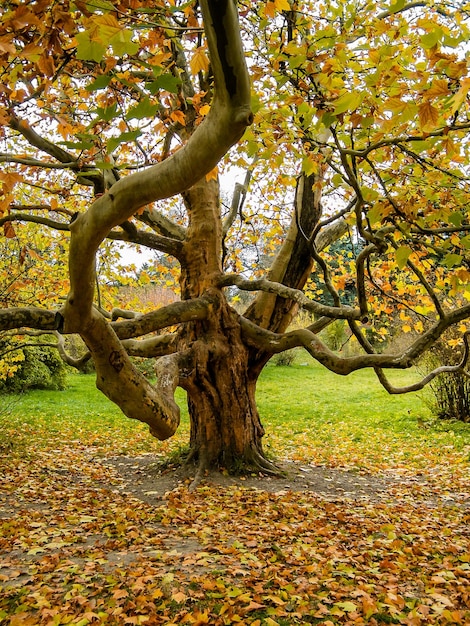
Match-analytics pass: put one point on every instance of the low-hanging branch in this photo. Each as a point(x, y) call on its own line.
point(123, 384)
point(32, 317)
point(152, 347)
point(460, 368)
point(279, 342)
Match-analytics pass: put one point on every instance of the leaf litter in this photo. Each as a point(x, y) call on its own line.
point(97, 539)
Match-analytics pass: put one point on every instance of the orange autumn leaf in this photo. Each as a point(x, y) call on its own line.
point(9, 231)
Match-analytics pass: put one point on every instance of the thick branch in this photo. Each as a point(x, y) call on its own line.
point(31, 317)
point(162, 224)
point(229, 115)
point(174, 313)
point(268, 286)
point(123, 384)
point(293, 263)
point(274, 343)
point(152, 347)
point(147, 239)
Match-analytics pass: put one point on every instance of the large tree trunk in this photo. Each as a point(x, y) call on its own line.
point(226, 430)
point(225, 426)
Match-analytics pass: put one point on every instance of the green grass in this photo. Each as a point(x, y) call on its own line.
point(308, 412)
point(351, 420)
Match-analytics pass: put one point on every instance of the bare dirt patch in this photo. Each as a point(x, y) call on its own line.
point(149, 481)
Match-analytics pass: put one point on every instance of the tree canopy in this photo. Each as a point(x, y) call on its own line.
point(347, 119)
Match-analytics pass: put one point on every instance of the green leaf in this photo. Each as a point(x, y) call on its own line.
point(296, 61)
point(431, 39)
point(348, 102)
point(402, 255)
point(144, 109)
point(328, 119)
point(451, 260)
point(465, 241)
point(77, 145)
point(309, 166)
point(100, 82)
point(88, 50)
point(167, 82)
point(121, 43)
point(456, 218)
point(369, 194)
point(375, 214)
point(396, 6)
point(101, 6)
point(123, 138)
point(106, 114)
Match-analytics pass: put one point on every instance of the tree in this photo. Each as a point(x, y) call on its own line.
point(361, 130)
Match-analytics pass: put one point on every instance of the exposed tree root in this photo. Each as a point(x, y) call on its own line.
point(199, 466)
point(253, 462)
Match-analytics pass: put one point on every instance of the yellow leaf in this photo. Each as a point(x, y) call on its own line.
point(428, 116)
point(199, 61)
point(269, 9)
point(282, 5)
point(212, 175)
point(439, 87)
point(395, 105)
point(461, 95)
point(204, 110)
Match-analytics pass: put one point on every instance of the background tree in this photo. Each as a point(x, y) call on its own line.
point(360, 130)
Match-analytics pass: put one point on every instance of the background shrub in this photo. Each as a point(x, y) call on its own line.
point(42, 368)
point(449, 393)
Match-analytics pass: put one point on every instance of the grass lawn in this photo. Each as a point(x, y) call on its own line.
point(308, 412)
point(78, 547)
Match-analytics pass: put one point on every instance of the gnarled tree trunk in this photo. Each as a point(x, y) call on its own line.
point(225, 425)
point(220, 368)
point(226, 430)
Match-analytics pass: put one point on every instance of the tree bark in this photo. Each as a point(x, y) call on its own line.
point(291, 267)
point(226, 430)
